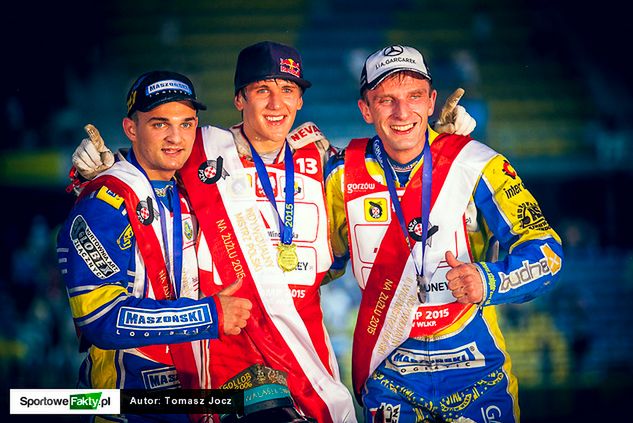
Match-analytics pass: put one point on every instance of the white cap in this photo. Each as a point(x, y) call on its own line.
point(388, 60)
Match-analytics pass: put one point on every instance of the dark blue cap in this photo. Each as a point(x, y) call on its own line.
point(154, 88)
point(269, 60)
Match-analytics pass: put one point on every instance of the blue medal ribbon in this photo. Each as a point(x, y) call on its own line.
point(286, 223)
point(174, 201)
point(177, 238)
point(427, 169)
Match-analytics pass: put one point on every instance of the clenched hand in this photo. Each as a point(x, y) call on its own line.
point(464, 281)
point(235, 310)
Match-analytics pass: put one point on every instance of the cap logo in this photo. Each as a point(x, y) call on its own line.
point(393, 51)
point(168, 84)
point(394, 60)
point(131, 101)
point(389, 60)
point(290, 66)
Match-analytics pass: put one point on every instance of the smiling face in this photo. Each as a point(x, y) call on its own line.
point(399, 108)
point(162, 138)
point(269, 109)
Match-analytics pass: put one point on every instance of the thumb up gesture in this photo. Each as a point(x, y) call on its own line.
point(464, 281)
point(454, 119)
point(92, 156)
point(235, 310)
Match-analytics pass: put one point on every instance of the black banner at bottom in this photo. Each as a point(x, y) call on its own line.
point(182, 401)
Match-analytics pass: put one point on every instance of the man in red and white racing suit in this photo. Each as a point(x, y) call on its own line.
point(427, 346)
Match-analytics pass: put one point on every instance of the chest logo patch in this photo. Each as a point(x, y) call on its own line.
point(375, 209)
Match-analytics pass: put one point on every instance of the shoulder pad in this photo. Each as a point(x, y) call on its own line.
point(104, 194)
point(305, 134)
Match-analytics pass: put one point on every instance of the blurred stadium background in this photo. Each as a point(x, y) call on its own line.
point(544, 80)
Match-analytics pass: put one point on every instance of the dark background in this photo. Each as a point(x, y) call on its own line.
point(552, 92)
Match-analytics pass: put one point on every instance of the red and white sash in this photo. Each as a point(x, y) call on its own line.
point(283, 333)
point(125, 180)
point(389, 312)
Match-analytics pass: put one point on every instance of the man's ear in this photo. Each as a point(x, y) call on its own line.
point(238, 101)
point(432, 102)
point(364, 111)
point(129, 127)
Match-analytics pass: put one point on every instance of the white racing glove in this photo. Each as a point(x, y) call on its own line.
point(454, 119)
point(92, 156)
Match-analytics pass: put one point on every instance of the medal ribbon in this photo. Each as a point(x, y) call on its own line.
point(285, 223)
point(427, 168)
point(176, 274)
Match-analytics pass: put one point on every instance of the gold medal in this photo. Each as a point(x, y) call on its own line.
point(287, 257)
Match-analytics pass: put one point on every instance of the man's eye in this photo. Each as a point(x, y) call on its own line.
point(159, 125)
point(187, 125)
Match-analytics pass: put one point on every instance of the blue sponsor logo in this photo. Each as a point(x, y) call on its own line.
point(163, 378)
point(405, 360)
point(164, 319)
point(167, 84)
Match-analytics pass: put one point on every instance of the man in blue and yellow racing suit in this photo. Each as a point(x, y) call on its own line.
point(427, 346)
point(127, 255)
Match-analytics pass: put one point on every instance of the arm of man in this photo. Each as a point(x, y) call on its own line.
point(534, 250)
point(337, 218)
point(96, 252)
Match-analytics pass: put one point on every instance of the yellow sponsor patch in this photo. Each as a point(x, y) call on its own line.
point(109, 197)
point(375, 209)
point(125, 239)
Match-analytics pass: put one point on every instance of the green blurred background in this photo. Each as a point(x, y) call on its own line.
point(544, 80)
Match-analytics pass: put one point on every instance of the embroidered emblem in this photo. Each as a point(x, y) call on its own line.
point(376, 209)
point(531, 217)
point(415, 230)
point(290, 66)
point(125, 239)
point(187, 230)
point(91, 250)
point(145, 211)
point(509, 170)
point(211, 171)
